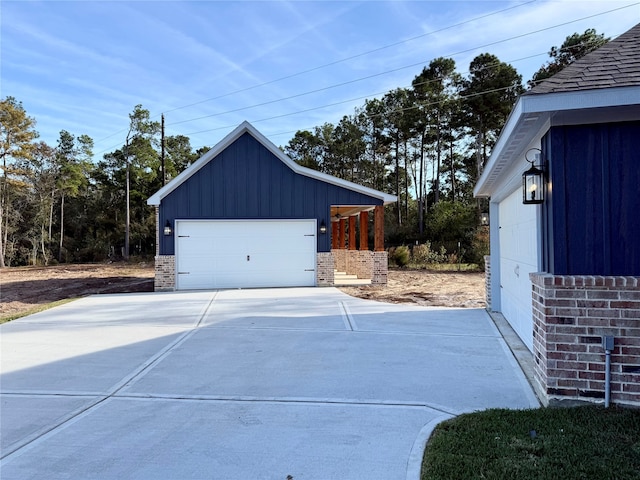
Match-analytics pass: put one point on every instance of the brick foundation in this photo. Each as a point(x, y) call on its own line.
point(571, 314)
point(324, 269)
point(380, 268)
point(165, 277)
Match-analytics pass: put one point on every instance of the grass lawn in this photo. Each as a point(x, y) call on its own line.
point(591, 443)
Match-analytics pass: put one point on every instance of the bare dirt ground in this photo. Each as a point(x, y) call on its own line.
point(24, 288)
point(422, 287)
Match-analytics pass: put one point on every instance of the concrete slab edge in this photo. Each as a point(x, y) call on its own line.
point(414, 462)
point(519, 351)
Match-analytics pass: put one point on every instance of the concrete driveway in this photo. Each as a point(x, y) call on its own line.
point(242, 384)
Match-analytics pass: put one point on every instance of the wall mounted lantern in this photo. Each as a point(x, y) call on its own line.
point(167, 228)
point(484, 219)
point(533, 179)
point(323, 227)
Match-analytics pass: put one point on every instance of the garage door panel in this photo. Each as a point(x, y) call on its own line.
point(518, 257)
point(243, 254)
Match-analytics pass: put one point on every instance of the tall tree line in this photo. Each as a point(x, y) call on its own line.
point(427, 143)
point(57, 205)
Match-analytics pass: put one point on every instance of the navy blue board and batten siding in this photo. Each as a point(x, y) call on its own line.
point(592, 212)
point(247, 182)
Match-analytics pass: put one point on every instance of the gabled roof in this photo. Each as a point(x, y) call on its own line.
point(246, 127)
point(615, 64)
point(601, 87)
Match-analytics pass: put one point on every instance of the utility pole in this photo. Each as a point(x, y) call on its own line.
point(162, 151)
point(125, 254)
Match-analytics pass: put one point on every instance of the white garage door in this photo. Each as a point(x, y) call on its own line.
point(518, 257)
point(214, 254)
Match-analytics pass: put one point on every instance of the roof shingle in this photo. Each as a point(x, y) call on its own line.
point(615, 64)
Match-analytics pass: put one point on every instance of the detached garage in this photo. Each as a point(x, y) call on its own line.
point(245, 215)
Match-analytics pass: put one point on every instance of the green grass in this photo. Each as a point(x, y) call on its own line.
point(36, 309)
point(548, 443)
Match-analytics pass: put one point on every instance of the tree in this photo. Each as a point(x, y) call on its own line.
point(305, 149)
point(139, 144)
point(399, 121)
point(435, 90)
point(16, 135)
point(348, 149)
point(488, 96)
point(179, 155)
point(377, 141)
point(73, 158)
point(452, 225)
point(41, 173)
point(574, 47)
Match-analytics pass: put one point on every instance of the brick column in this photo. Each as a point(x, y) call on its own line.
point(487, 281)
point(324, 269)
point(380, 268)
point(165, 273)
point(571, 314)
point(365, 264)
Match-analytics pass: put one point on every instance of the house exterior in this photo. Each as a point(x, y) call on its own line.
point(246, 215)
point(566, 273)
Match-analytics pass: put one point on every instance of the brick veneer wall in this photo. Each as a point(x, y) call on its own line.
point(487, 280)
point(380, 268)
point(571, 314)
point(324, 269)
point(165, 277)
point(340, 259)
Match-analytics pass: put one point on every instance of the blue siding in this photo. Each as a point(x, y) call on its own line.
point(591, 213)
point(246, 181)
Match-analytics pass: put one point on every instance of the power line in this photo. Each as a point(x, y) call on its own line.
point(369, 76)
point(342, 102)
point(386, 72)
point(336, 62)
point(398, 110)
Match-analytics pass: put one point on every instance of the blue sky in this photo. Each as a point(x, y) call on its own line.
point(82, 66)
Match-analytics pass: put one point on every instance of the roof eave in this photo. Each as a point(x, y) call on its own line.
point(531, 117)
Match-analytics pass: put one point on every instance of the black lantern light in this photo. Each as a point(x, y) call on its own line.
point(533, 180)
point(323, 227)
point(484, 219)
point(167, 228)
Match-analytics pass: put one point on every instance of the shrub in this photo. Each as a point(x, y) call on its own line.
point(423, 254)
point(480, 244)
point(401, 255)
